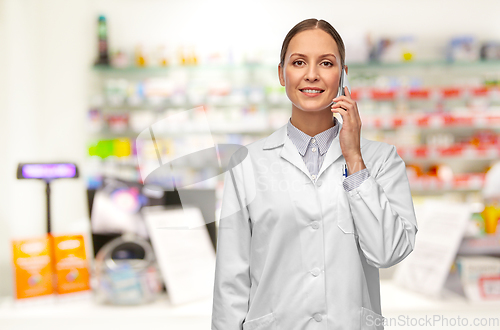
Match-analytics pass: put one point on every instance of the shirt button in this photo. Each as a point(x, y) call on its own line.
point(313, 140)
point(319, 183)
point(318, 317)
point(316, 271)
point(315, 224)
point(313, 149)
point(313, 176)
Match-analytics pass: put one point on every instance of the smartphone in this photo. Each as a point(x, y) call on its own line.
point(344, 82)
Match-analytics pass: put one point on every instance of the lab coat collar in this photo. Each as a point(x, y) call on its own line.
point(289, 151)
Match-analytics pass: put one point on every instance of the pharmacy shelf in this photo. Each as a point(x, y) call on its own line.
point(471, 120)
point(279, 99)
point(486, 245)
point(460, 152)
point(426, 93)
point(488, 64)
point(459, 183)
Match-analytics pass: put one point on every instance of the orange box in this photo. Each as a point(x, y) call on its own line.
point(32, 267)
point(71, 264)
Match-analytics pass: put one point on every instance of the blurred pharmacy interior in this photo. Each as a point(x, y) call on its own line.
point(94, 92)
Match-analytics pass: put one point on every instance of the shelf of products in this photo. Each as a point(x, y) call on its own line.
point(433, 119)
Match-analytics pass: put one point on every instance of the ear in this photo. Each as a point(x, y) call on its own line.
point(280, 74)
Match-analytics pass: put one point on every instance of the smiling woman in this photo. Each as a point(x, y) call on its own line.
point(301, 239)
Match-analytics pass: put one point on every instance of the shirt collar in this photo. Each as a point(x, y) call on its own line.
point(302, 140)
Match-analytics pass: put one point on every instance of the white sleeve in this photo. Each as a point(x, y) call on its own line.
point(383, 213)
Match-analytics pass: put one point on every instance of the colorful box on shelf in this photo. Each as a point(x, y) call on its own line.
point(480, 91)
point(419, 93)
point(381, 94)
point(451, 92)
point(50, 264)
point(115, 147)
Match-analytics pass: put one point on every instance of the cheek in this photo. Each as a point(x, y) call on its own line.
point(291, 79)
point(333, 82)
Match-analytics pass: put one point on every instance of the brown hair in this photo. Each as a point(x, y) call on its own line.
point(310, 24)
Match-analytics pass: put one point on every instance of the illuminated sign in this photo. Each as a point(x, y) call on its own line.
point(47, 171)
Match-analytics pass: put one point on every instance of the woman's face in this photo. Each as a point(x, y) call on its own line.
point(311, 71)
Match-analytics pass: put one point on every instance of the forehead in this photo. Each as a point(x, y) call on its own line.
point(313, 43)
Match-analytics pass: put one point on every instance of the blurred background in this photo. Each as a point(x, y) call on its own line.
point(82, 81)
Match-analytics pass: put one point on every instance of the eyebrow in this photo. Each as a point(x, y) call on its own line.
point(324, 55)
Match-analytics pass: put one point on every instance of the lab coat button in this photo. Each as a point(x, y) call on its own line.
point(316, 271)
point(315, 224)
point(318, 317)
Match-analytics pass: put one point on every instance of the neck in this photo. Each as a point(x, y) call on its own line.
point(312, 123)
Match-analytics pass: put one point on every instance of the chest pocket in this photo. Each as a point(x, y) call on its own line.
point(345, 220)
point(266, 322)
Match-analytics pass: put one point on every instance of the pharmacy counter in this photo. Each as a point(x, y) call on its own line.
point(402, 308)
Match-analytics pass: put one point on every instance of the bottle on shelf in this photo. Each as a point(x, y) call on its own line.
point(140, 58)
point(162, 56)
point(102, 30)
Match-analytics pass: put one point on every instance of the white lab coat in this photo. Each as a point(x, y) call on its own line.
point(297, 254)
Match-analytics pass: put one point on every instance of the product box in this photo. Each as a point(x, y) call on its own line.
point(71, 264)
point(32, 267)
point(480, 277)
point(42, 267)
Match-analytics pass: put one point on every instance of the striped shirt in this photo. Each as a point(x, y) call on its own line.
point(313, 151)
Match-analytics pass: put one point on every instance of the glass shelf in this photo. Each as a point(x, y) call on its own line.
point(429, 63)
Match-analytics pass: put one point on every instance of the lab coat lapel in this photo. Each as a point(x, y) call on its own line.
point(291, 154)
point(289, 151)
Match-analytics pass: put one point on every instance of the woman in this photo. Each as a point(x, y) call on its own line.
point(300, 244)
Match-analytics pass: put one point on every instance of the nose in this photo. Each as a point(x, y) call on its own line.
point(312, 74)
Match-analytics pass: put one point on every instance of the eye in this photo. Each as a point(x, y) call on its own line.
point(327, 63)
point(295, 63)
